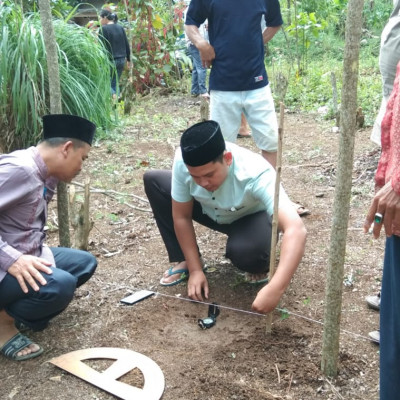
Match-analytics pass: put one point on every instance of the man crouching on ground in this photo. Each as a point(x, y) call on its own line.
point(38, 282)
point(231, 190)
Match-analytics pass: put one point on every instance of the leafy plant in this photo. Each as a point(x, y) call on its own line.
point(154, 28)
point(24, 97)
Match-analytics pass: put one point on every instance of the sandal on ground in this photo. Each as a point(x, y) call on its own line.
point(374, 301)
point(241, 136)
point(249, 278)
point(15, 345)
point(375, 336)
point(301, 210)
point(183, 274)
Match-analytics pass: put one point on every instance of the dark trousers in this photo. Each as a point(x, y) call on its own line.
point(116, 73)
point(249, 238)
point(389, 347)
point(35, 309)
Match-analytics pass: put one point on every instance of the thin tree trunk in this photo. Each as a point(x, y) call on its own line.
point(333, 294)
point(55, 108)
point(289, 14)
point(21, 4)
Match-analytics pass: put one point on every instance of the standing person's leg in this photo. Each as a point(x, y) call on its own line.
point(119, 65)
point(390, 322)
point(113, 74)
point(244, 131)
point(226, 109)
point(259, 110)
point(201, 71)
point(195, 55)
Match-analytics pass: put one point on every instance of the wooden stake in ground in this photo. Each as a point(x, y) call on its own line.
point(274, 233)
point(80, 218)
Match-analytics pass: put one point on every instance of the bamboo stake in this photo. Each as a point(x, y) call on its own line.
point(274, 233)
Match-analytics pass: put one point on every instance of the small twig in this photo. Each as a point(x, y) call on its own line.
point(278, 373)
point(54, 218)
point(334, 390)
point(290, 383)
point(117, 288)
point(309, 165)
point(112, 254)
point(113, 192)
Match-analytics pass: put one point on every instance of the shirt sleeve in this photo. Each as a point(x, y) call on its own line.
point(273, 17)
point(180, 190)
point(389, 162)
point(13, 186)
point(197, 13)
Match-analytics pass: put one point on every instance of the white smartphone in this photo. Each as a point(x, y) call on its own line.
point(137, 296)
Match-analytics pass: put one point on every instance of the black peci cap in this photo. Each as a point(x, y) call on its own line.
point(68, 126)
point(202, 143)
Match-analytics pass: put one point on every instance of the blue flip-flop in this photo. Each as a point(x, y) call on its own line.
point(183, 275)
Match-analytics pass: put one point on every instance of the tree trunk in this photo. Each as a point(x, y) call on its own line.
point(21, 4)
point(289, 15)
point(55, 108)
point(333, 294)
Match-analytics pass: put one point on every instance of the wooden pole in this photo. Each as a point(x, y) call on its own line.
point(274, 233)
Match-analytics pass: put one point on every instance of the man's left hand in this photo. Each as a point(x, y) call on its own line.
point(387, 203)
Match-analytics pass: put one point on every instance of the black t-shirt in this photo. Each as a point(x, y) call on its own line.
point(115, 40)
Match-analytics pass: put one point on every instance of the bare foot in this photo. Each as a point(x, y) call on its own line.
point(8, 330)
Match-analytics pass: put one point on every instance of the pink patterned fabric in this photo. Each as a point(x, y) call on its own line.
point(389, 163)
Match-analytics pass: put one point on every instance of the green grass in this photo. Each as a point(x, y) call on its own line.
point(24, 89)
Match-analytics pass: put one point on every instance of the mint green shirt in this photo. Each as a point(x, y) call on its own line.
point(248, 188)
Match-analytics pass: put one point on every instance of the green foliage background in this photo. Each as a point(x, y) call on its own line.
point(302, 56)
point(24, 96)
point(308, 59)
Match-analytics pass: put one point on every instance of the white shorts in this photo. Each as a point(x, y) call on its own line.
point(258, 108)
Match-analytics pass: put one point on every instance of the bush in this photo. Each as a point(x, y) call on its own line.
point(24, 96)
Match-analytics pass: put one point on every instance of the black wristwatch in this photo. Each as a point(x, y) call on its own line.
point(208, 322)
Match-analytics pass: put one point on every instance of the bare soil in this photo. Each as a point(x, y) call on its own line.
point(235, 359)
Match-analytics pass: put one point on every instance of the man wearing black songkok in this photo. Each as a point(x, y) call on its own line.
point(38, 282)
point(231, 190)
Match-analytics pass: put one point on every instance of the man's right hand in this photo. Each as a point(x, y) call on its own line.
point(26, 271)
point(207, 53)
point(197, 285)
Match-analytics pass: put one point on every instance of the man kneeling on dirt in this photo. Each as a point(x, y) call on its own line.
point(37, 282)
point(231, 190)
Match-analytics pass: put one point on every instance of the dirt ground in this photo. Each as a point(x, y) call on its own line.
point(235, 359)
